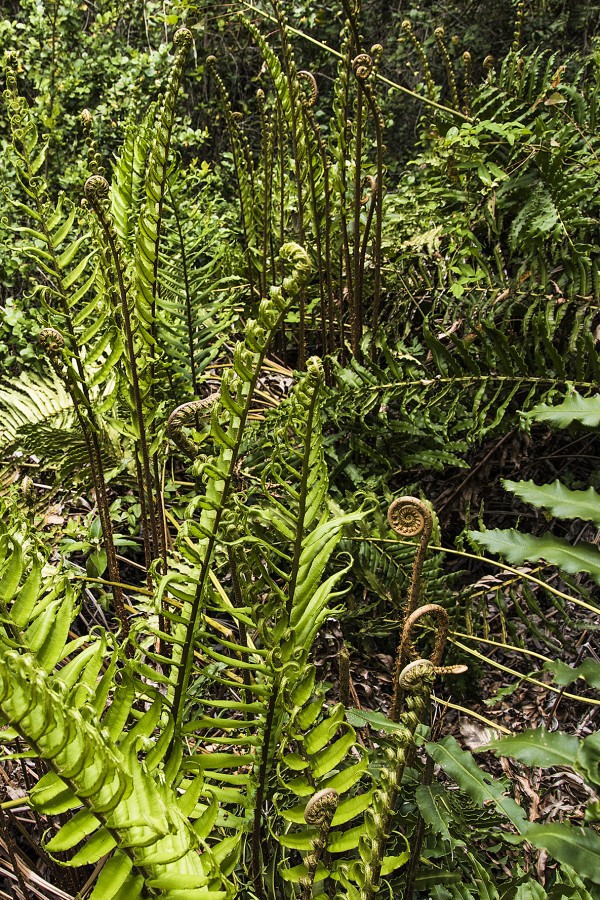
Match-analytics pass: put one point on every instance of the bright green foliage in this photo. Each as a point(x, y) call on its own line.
point(518, 548)
point(125, 806)
point(461, 766)
point(185, 752)
point(574, 408)
point(561, 502)
point(577, 847)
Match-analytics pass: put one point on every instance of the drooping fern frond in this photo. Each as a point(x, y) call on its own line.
point(124, 806)
point(33, 400)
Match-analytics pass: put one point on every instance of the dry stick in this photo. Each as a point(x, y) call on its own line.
point(497, 565)
point(559, 696)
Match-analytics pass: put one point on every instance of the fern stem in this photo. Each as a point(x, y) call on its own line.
point(302, 491)
point(189, 319)
point(356, 299)
point(295, 134)
point(427, 101)
point(379, 125)
point(257, 862)
point(76, 387)
point(96, 190)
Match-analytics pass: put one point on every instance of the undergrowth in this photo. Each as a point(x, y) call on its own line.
point(185, 516)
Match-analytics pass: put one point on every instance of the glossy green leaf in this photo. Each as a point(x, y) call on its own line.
point(574, 408)
point(518, 548)
point(52, 796)
point(429, 799)
point(537, 747)
point(332, 756)
point(481, 787)
point(577, 847)
point(558, 499)
point(75, 830)
point(112, 877)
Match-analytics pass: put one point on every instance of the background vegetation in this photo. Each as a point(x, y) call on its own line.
point(299, 319)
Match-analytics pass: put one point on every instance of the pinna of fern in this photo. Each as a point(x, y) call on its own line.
point(69, 700)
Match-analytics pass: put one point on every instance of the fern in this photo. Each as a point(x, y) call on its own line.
point(559, 500)
point(31, 400)
point(197, 297)
point(124, 805)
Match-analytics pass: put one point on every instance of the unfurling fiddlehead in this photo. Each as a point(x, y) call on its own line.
point(429, 82)
point(319, 813)
point(410, 517)
point(415, 682)
point(189, 414)
point(439, 613)
point(439, 39)
point(303, 74)
point(467, 82)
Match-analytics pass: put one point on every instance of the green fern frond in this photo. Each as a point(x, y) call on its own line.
point(124, 806)
point(149, 223)
point(33, 400)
